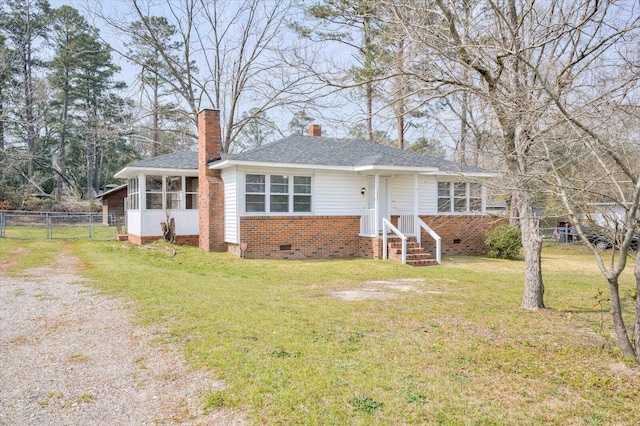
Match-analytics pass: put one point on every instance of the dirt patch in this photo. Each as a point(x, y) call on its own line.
point(364, 294)
point(71, 356)
point(622, 369)
point(384, 290)
point(12, 259)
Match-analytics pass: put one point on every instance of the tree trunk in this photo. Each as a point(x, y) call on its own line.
point(618, 322)
point(533, 298)
point(62, 143)
point(1, 121)
point(155, 144)
point(400, 94)
point(89, 164)
point(636, 326)
point(368, 66)
point(369, 88)
point(28, 108)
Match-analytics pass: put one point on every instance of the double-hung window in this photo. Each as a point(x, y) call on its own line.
point(459, 197)
point(277, 193)
point(173, 185)
point(191, 192)
point(302, 194)
point(133, 194)
point(255, 193)
point(154, 192)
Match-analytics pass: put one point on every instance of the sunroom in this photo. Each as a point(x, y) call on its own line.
point(156, 194)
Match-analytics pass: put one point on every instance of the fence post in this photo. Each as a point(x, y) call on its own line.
point(49, 227)
point(2, 225)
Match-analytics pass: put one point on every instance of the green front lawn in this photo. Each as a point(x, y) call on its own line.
point(450, 347)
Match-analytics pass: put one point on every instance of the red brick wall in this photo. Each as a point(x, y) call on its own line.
point(310, 237)
point(461, 235)
point(137, 239)
point(185, 240)
point(370, 248)
point(210, 185)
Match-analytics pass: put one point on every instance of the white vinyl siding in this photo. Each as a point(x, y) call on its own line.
point(428, 197)
point(229, 177)
point(401, 193)
point(338, 194)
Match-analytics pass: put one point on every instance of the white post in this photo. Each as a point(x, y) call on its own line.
point(416, 226)
point(142, 191)
point(384, 241)
point(376, 195)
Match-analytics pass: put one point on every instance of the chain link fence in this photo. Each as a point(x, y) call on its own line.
point(55, 225)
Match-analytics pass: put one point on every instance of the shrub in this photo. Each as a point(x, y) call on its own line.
point(504, 242)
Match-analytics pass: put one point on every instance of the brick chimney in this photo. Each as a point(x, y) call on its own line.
point(315, 130)
point(210, 185)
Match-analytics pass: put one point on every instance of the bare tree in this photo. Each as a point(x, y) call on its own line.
point(230, 58)
point(510, 56)
point(594, 171)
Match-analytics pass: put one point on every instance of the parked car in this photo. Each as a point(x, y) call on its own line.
point(604, 241)
point(564, 233)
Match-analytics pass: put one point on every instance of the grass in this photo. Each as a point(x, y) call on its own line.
point(61, 232)
point(459, 351)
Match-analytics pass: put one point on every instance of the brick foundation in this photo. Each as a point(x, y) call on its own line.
point(461, 235)
point(326, 237)
point(184, 240)
point(299, 237)
point(187, 240)
point(370, 248)
point(138, 240)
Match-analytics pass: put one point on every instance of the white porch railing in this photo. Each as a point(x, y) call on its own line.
point(368, 226)
point(433, 234)
point(386, 227)
point(407, 223)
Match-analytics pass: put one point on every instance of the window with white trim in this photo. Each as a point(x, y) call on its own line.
point(133, 194)
point(277, 193)
point(302, 194)
point(255, 191)
point(459, 197)
point(191, 192)
point(173, 192)
point(154, 192)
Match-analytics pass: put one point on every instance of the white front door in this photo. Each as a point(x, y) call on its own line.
point(383, 199)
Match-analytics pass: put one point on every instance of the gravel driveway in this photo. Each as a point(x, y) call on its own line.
point(69, 356)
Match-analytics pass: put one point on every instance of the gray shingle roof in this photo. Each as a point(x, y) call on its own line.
point(175, 160)
point(343, 152)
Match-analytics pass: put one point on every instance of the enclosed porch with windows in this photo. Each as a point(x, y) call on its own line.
point(154, 199)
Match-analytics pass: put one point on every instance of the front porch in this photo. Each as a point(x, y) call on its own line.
point(402, 237)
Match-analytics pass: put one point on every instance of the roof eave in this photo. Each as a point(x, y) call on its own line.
point(376, 167)
point(223, 164)
point(464, 174)
point(129, 171)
